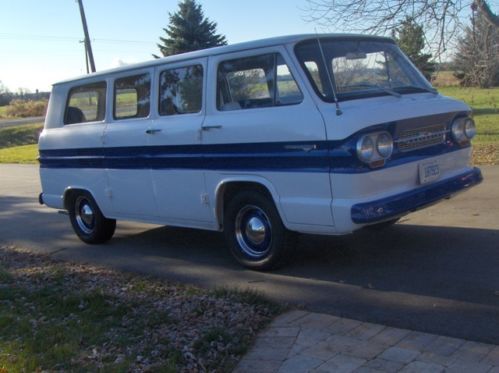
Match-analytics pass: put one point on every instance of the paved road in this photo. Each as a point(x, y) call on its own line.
point(437, 271)
point(17, 122)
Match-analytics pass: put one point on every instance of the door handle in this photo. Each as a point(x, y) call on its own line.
point(212, 127)
point(152, 131)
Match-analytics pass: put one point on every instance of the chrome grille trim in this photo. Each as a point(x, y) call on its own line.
point(421, 137)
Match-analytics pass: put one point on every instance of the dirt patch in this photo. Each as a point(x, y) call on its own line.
point(486, 154)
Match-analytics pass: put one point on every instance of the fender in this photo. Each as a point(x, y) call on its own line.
point(70, 189)
point(252, 179)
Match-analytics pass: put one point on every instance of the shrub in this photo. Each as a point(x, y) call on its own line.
point(26, 108)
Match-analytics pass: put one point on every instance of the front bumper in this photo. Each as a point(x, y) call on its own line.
point(392, 206)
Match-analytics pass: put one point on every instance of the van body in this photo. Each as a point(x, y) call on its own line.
point(311, 134)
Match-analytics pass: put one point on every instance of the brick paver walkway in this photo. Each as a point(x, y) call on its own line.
point(300, 341)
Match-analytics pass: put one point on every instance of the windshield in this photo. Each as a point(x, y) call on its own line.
point(359, 68)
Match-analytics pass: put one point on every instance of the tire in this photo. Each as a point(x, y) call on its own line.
point(383, 225)
point(254, 232)
point(87, 220)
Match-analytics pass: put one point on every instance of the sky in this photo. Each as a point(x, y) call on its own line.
point(40, 41)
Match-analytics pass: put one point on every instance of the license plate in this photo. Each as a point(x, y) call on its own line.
point(428, 172)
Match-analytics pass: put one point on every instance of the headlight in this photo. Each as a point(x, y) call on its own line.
point(384, 144)
point(365, 148)
point(469, 128)
point(375, 148)
point(458, 131)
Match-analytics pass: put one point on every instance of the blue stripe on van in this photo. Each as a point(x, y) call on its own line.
point(320, 156)
point(262, 156)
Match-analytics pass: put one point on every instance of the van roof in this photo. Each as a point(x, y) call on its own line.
point(279, 40)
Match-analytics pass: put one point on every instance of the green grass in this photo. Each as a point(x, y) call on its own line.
point(19, 154)
point(55, 326)
point(485, 105)
point(20, 135)
point(18, 144)
point(3, 111)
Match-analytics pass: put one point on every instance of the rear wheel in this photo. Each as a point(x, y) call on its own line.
point(87, 219)
point(254, 231)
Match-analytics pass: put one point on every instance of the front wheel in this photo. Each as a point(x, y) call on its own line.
point(254, 231)
point(87, 220)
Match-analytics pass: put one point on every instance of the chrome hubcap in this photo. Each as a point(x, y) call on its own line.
point(253, 231)
point(84, 215)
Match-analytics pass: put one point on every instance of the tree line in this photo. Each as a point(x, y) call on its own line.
point(7, 96)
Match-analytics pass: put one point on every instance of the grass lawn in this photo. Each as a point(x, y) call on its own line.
point(60, 316)
point(19, 154)
point(3, 110)
point(18, 144)
point(485, 105)
point(20, 135)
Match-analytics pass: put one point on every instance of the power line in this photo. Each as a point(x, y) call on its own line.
point(4, 35)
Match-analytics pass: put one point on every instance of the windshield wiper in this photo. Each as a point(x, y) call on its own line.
point(424, 89)
point(376, 86)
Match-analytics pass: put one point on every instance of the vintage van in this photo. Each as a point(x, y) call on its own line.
point(317, 134)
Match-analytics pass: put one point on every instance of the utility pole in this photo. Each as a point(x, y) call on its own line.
point(88, 46)
point(86, 56)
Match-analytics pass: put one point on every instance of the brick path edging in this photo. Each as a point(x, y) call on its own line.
point(300, 341)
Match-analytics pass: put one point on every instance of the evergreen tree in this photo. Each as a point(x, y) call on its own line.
point(477, 59)
point(189, 30)
point(410, 38)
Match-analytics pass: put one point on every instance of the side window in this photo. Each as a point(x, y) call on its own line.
point(132, 96)
point(86, 103)
point(313, 69)
point(181, 90)
point(287, 89)
point(256, 82)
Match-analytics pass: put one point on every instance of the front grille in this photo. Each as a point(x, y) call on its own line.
point(422, 137)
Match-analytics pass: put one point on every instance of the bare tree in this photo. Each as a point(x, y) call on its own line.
point(442, 19)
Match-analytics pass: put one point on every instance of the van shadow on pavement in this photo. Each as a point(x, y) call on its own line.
point(440, 280)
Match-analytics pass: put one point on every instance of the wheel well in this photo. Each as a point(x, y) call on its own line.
point(70, 194)
point(228, 190)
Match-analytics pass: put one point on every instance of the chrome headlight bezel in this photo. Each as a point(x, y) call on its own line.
point(384, 144)
point(458, 131)
point(469, 128)
point(375, 148)
point(365, 148)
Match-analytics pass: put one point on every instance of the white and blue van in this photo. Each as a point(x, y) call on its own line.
point(311, 134)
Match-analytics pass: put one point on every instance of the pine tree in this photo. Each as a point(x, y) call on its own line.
point(410, 38)
point(189, 30)
point(477, 59)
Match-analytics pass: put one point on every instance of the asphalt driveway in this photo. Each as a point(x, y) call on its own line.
point(437, 271)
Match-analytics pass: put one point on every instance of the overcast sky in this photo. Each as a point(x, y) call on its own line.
point(40, 40)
